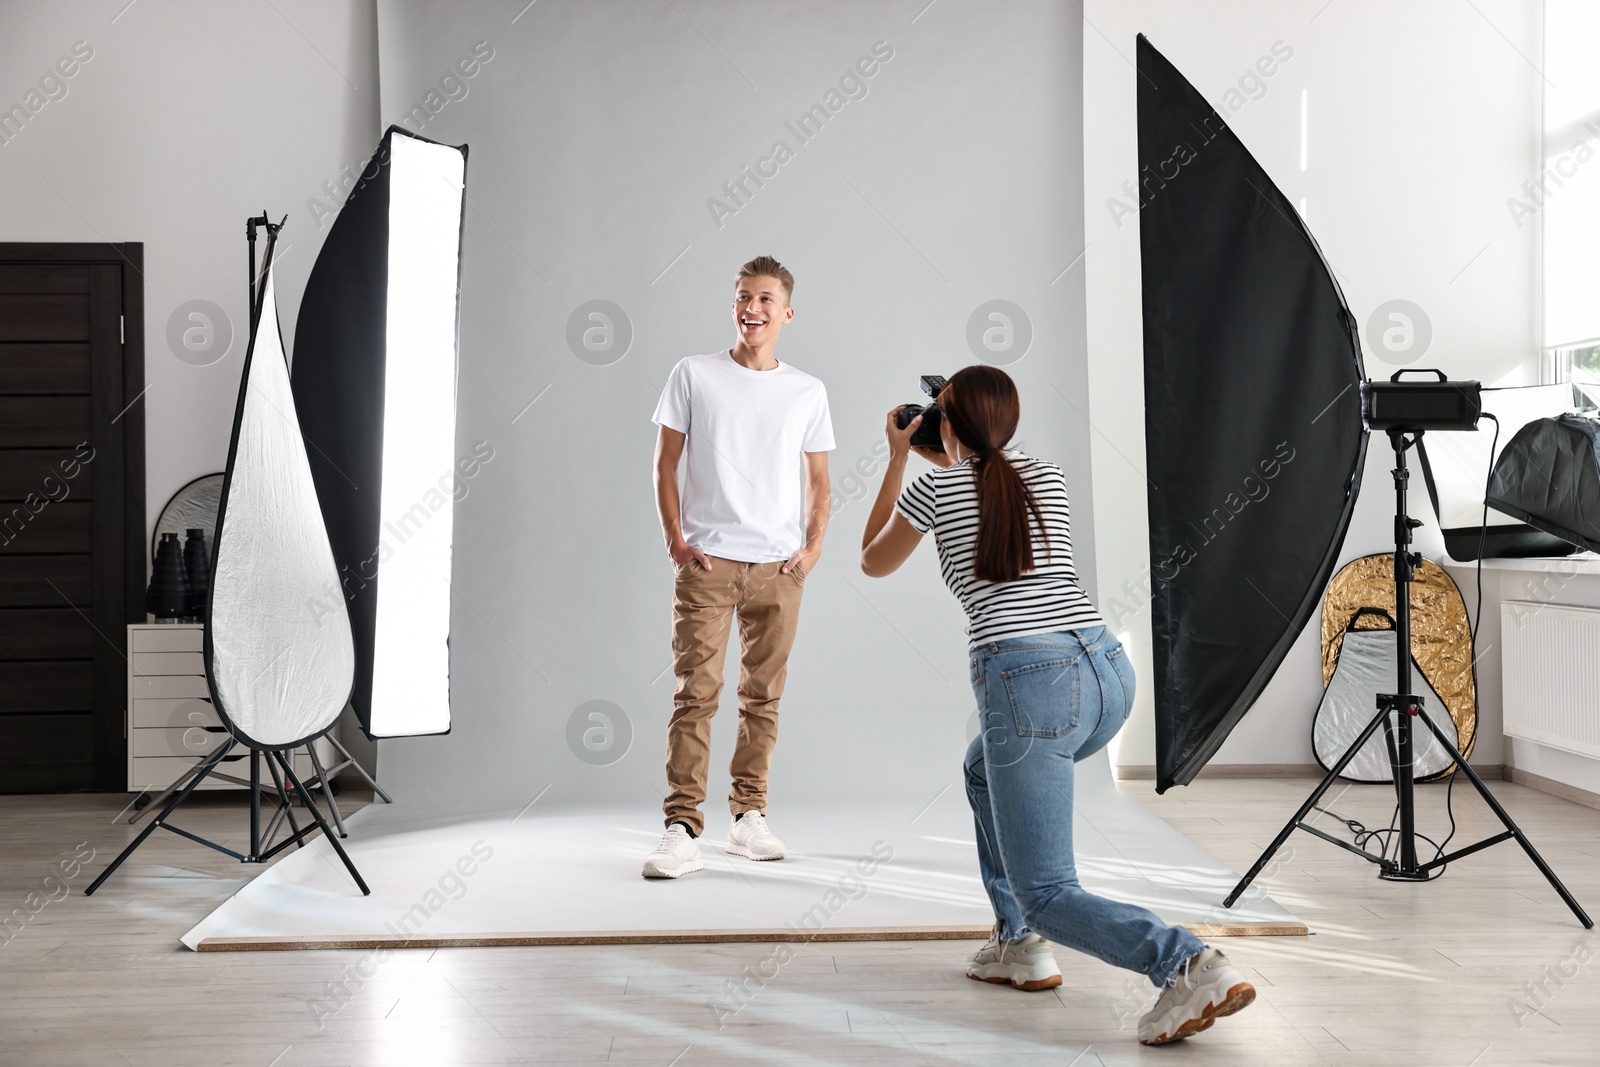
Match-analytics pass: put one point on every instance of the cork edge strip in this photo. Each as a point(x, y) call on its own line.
point(674, 937)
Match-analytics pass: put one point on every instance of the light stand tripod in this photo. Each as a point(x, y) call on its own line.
point(275, 758)
point(1406, 706)
point(281, 773)
point(320, 778)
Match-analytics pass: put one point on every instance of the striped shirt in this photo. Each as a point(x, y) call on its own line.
point(1043, 600)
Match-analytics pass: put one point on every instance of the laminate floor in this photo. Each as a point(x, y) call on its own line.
point(1483, 967)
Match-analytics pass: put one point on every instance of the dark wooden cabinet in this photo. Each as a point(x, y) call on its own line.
point(72, 514)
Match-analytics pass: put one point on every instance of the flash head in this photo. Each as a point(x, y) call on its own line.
point(1440, 404)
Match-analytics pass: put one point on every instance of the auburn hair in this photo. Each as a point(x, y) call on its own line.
point(981, 405)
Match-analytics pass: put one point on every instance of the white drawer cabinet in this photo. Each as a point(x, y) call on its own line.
point(191, 685)
point(162, 771)
point(158, 713)
point(171, 723)
point(168, 663)
point(174, 741)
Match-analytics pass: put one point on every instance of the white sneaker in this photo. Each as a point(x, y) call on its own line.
point(677, 854)
point(1027, 963)
point(750, 838)
point(1203, 990)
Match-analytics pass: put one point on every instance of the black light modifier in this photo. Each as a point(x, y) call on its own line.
point(375, 384)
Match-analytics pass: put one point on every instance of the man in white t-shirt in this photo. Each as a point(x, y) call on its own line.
point(743, 534)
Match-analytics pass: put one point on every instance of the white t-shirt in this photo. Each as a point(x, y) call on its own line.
point(744, 488)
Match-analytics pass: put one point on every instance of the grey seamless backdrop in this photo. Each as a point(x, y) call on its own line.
point(602, 136)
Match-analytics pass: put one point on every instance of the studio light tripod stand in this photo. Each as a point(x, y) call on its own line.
point(1398, 713)
point(287, 783)
point(283, 778)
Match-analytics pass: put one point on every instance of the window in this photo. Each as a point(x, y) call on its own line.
point(1566, 194)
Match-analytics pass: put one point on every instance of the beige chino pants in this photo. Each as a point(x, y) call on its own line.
point(704, 604)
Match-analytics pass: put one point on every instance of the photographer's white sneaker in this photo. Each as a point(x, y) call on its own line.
point(1203, 990)
point(750, 838)
point(677, 854)
point(1026, 963)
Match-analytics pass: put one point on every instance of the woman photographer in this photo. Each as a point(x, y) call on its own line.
point(1053, 686)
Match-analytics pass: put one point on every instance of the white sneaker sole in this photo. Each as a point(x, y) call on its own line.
point(1238, 997)
point(745, 853)
point(652, 871)
point(1015, 977)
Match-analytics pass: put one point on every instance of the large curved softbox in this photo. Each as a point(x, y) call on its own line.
point(278, 651)
point(1253, 434)
point(375, 378)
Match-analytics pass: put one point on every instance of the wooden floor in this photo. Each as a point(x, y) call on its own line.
point(1483, 967)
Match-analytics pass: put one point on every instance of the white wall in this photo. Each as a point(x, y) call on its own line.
point(1422, 119)
point(595, 142)
point(188, 118)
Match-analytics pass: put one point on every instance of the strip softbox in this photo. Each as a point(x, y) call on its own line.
point(375, 378)
point(1253, 434)
point(278, 650)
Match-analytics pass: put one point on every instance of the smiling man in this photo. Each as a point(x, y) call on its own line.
point(742, 534)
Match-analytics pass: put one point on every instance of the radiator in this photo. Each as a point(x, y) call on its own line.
point(1550, 670)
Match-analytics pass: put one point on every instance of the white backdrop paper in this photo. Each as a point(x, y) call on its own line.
point(625, 161)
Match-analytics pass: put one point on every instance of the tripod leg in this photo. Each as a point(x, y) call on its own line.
point(155, 802)
point(345, 752)
point(255, 803)
point(327, 791)
point(172, 805)
point(287, 807)
point(1283, 835)
point(327, 833)
point(273, 825)
point(1505, 819)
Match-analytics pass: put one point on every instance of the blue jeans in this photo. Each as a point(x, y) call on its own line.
point(1044, 702)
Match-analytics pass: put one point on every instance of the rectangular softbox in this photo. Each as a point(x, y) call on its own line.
point(1250, 360)
point(375, 382)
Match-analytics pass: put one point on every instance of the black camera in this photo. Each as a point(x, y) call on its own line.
point(927, 433)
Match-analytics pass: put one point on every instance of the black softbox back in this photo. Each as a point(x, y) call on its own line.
point(379, 317)
point(1253, 434)
point(1549, 477)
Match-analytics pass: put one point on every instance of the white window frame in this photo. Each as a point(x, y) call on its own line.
point(1556, 361)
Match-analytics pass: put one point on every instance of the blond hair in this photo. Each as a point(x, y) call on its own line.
point(767, 267)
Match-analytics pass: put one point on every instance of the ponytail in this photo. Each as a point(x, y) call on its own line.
point(982, 406)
